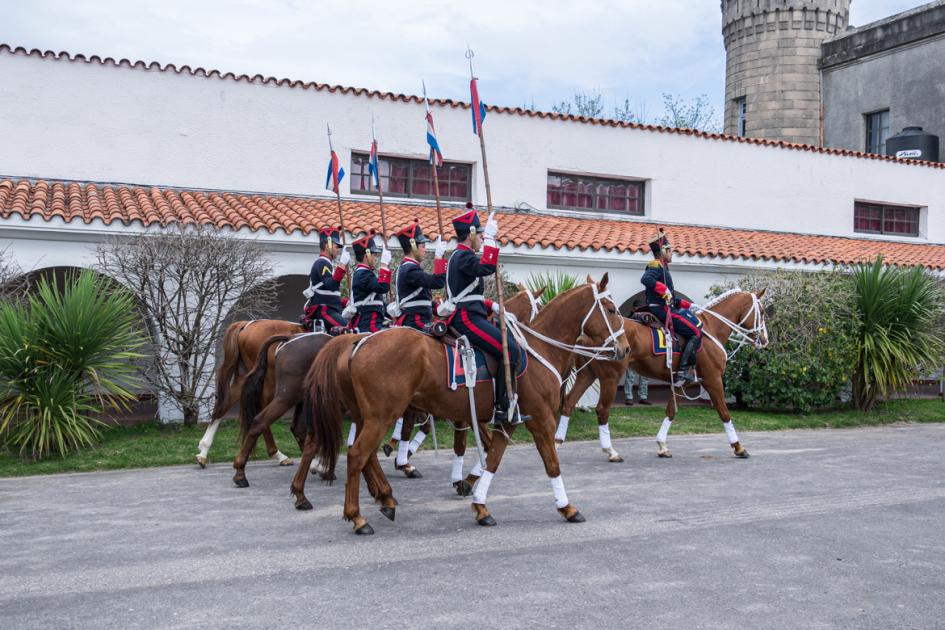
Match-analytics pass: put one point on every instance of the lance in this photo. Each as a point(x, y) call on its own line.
point(341, 216)
point(433, 162)
point(377, 182)
point(503, 329)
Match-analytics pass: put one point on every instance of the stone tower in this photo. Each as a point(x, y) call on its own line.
point(772, 79)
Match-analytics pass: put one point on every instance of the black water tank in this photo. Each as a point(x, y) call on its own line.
point(913, 143)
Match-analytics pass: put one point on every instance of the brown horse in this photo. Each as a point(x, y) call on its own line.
point(363, 382)
point(241, 344)
point(269, 393)
point(735, 312)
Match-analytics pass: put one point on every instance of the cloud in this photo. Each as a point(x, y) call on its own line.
point(526, 50)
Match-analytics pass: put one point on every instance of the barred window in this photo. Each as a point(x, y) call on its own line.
point(404, 177)
point(596, 194)
point(877, 218)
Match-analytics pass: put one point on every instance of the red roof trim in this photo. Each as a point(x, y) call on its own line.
point(408, 98)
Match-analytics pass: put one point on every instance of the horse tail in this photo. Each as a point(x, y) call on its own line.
point(322, 411)
point(227, 371)
point(251, 398)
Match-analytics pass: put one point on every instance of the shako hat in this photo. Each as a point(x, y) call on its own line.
point(329, 233)
point(661, 242)
point(411, 236)
point(466, 222)
point(366, 244)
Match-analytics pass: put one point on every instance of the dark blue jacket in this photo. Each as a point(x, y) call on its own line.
point(466, 267)
point(656, 273)
point(364, 284)
point(327, 289)
point(410, 277)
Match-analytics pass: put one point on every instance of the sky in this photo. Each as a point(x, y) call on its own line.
point(527, 52)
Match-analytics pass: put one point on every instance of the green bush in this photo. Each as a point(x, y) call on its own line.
point(555, 283)
point(812, 342)
point(65, 357)
point(899, 312)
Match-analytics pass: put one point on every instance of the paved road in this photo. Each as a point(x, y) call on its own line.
point(819, 529)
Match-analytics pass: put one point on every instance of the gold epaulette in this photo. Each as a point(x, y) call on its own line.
point(653, 263)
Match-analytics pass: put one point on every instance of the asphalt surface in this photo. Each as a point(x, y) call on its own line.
point(819, 529)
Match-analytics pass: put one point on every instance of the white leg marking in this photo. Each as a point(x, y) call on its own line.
point(352, 434)
point(315, 465)
point(730, 432)
point(557, 486)
point(664, 430)
point(402, 452)
point(417, 441)
point(482, 488)
point(457, 472)
point(603, 431)
point(562, 431)
point(476, 470)
point(207, 440)
point(279, 457)
point(398, 428)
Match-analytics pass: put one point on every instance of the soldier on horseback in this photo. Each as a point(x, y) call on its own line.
point(414, 285)
point(465, 289)
point(673, 312)
point(368, 288)
point(324, 290)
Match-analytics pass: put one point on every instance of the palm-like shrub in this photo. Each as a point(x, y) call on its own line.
point(555, 283)
point(899, 311)
point(65, 357)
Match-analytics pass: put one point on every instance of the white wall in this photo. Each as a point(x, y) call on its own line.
point(74, 120)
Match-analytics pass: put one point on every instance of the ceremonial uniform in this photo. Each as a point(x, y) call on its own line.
point(324, 302)
point(465, 288)
point(368, 288)
point(414, 285)
point(675, 314)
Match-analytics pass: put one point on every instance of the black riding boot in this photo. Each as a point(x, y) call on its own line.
point(502, 400)
point(687, 359)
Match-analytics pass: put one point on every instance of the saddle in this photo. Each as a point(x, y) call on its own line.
point(646, 318)
point(486, 366)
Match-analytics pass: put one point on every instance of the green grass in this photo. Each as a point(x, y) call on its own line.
point(148, 445)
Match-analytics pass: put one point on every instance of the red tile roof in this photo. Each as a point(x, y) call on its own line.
point(406, 98)
point(73, 201)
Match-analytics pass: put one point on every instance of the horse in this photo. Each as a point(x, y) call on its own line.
point(359, 378)
point(735, 312)
point(284, 380)
point(241, 345)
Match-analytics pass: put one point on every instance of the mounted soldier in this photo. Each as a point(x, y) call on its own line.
point(414, 286)
point(367, 287)
point(324, 291)
point(671, 311)
point(464, 287)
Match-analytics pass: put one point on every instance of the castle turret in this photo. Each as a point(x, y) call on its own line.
point(772, 79)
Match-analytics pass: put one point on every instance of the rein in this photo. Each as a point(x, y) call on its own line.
point(593, 352)
point(739, 333)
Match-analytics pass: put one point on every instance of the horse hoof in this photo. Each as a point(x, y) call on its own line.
point(463, 488)
point(327, 476)
point(743, 454)
point(241, 483)
point(365, 530)
point(413, 473)
point(387, 450)
point(287, 462)
point(577, 517)
point(665, 454)
point(202, 461)
point(388, 512)
point(303, 505)
point(487, 521)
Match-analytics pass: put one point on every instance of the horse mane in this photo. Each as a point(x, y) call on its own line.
point(716, 300)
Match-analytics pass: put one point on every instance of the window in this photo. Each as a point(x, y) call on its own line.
point(403, 177)
point(877, 129)
point(573, 192)
point(877, 218)
point(741, 109)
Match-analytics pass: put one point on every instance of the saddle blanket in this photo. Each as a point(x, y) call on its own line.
point(456, 375)
point(659, 343)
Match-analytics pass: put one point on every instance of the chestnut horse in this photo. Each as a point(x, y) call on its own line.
point(364, 382)
point(737, 313)
point(241, 344)
point(283, 384)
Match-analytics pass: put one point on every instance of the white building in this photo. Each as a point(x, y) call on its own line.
point(92, 147)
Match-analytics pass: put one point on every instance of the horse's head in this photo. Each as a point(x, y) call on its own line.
point(741, 315)
point(603, 324)
point(759, 315)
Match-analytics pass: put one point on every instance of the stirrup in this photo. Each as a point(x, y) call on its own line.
point(685, 377)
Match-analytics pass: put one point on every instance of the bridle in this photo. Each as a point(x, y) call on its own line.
point(535, 302)
point(757, 335)
point(607, 351)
